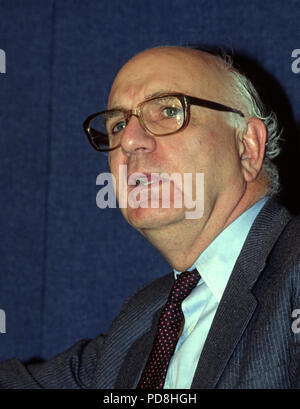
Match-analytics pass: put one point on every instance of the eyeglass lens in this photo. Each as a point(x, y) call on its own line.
point(160, 116)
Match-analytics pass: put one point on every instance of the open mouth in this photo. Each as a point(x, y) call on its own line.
point(144, 181)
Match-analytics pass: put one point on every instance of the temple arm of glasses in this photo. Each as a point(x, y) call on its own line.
point(214, 105)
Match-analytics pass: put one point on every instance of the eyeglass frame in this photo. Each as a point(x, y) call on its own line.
point(186, 102)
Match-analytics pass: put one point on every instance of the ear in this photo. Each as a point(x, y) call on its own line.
point(252, 148)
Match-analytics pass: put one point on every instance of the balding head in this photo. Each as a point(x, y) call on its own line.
point(196, 72)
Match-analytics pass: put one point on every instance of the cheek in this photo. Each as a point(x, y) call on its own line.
point(203, 150)
point(224, 159)
point(114, 170)
point(209, 157)
point(115, 161)
point(211, 140)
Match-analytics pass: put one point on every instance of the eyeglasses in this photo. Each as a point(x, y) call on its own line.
point(158, 116)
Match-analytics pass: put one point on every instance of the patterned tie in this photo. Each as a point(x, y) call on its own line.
point(169, 325)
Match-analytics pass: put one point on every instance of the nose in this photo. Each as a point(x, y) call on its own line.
point(135, 139)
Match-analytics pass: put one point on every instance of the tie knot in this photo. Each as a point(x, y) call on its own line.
point(183, 285)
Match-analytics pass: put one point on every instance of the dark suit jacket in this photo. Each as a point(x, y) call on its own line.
point(251, 343)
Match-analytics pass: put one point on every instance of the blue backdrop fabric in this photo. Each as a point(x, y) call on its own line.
point(67, 266)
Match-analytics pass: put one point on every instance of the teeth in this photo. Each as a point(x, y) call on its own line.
point(143, 181)
point(139, 181)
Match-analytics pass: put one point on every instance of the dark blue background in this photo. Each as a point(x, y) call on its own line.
point(66, 266)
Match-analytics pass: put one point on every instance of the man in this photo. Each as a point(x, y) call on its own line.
point(180, 111)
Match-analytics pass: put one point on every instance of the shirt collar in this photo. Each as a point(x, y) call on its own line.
point(216, 262)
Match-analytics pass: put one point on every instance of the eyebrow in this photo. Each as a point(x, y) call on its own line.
point(160, 93)
point(153, 95)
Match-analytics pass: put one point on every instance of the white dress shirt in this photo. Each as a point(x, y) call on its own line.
point(214, 265)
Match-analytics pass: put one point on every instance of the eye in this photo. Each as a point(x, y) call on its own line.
point(118, 127)
point(171, 112)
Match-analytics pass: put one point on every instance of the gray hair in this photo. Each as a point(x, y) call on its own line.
point(246, 95)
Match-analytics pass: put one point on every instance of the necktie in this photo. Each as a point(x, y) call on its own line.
point(170, 322)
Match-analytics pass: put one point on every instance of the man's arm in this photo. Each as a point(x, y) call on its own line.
point(72, 369)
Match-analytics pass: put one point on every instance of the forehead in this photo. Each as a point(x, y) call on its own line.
point(166, 70)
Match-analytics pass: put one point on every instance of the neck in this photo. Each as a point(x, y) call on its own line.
point(181, 243)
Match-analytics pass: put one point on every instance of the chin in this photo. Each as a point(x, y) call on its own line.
point(150, 218)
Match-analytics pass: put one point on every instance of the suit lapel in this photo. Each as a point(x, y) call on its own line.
point(238, 302)
point(235, 310)
point(137, 356)
point(129, 342)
